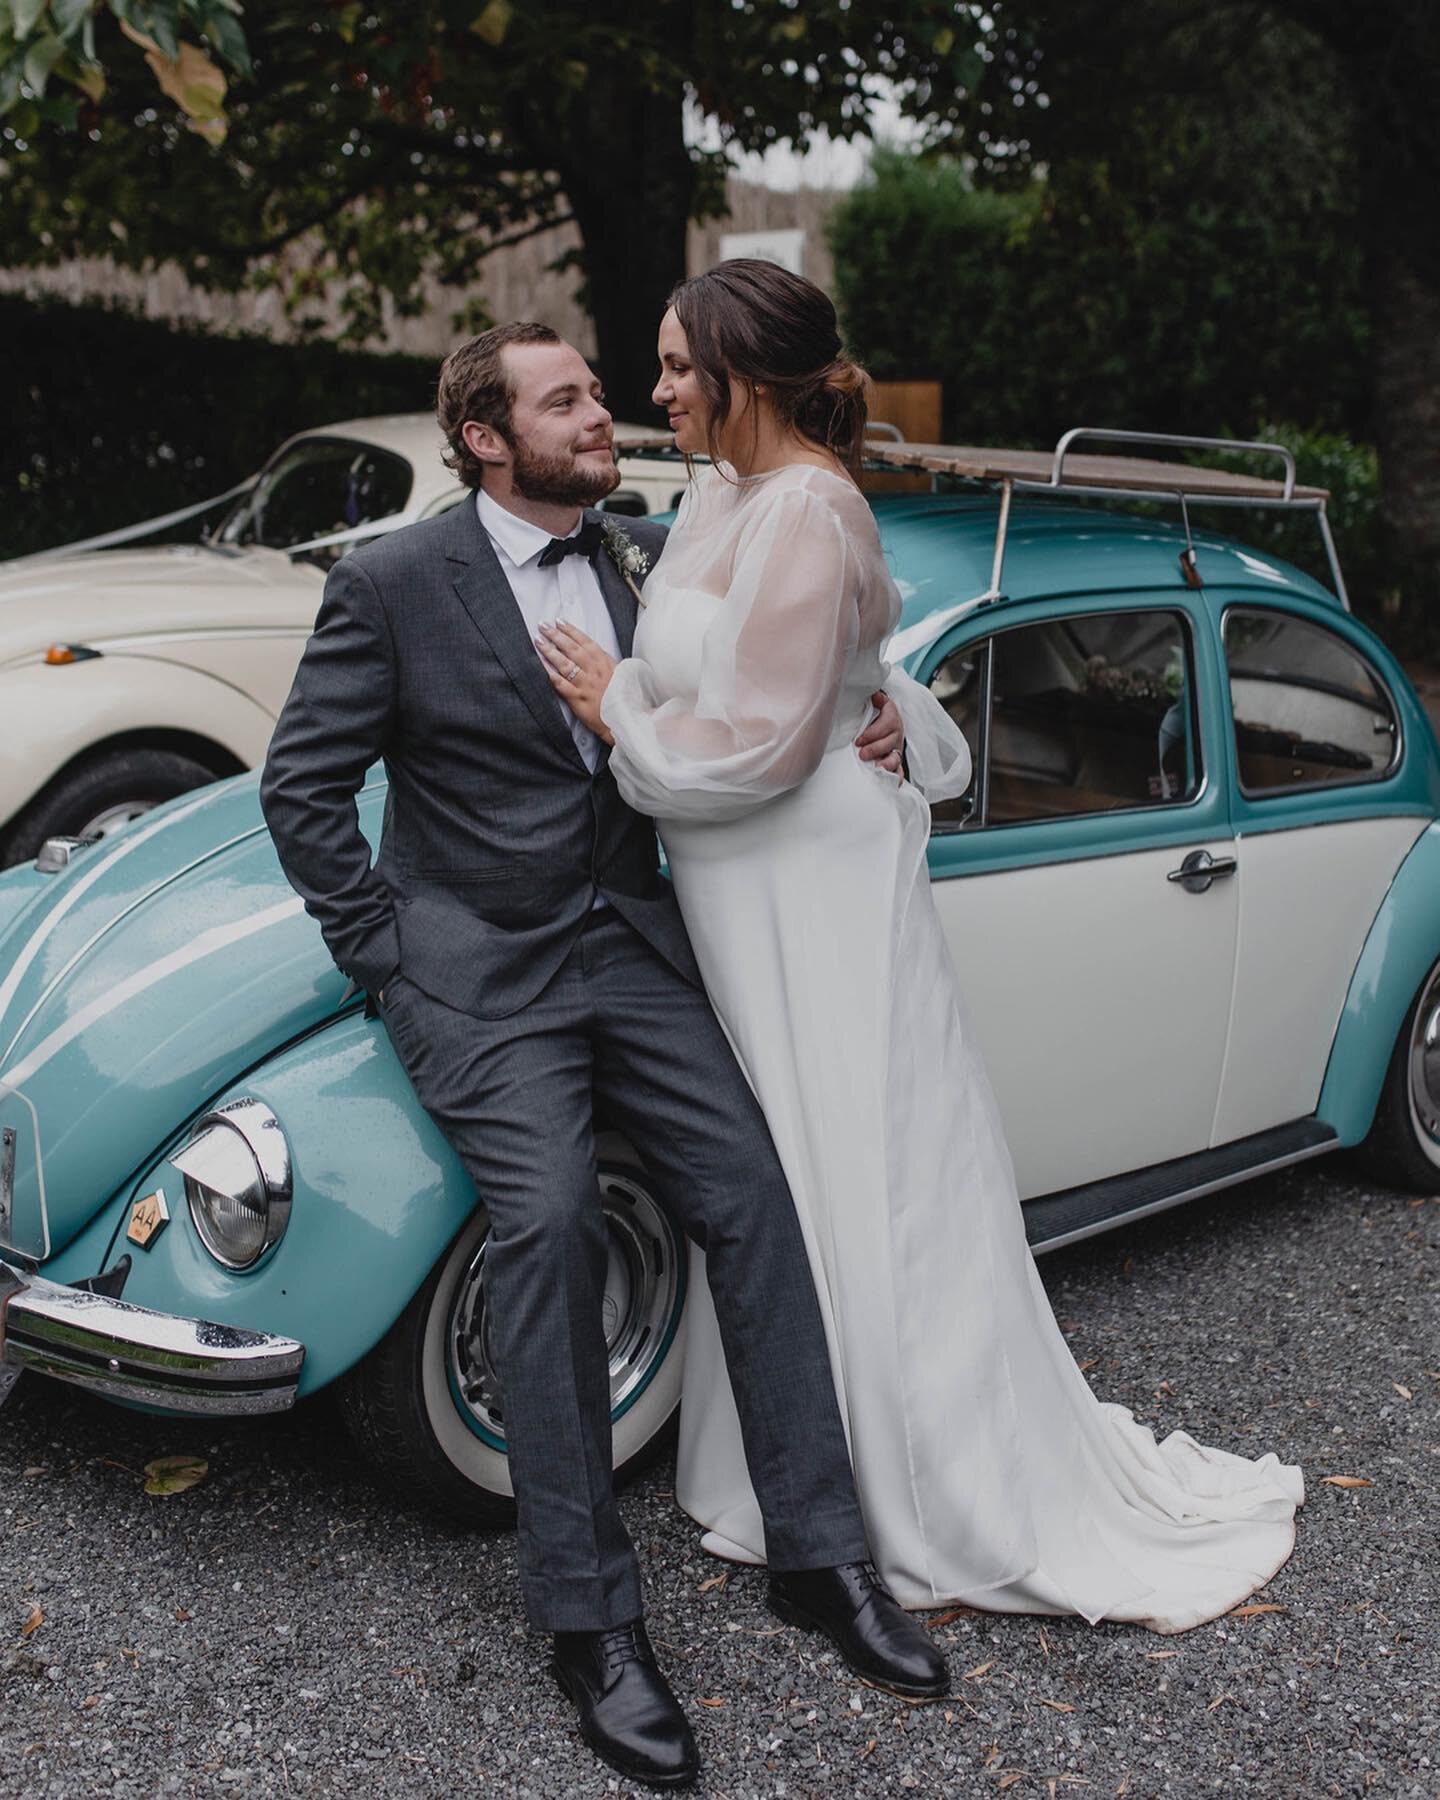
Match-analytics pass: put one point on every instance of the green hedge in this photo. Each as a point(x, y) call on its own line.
point(1037, 315)
point(1195, 320)
point(110, 418)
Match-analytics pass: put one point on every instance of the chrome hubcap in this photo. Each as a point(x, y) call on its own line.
point(1425, 1062)
point(644, 1283)
point(113, 817)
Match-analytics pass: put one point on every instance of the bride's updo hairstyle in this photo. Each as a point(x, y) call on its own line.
point(767, 327)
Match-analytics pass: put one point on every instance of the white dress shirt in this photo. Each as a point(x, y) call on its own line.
point(569, 590)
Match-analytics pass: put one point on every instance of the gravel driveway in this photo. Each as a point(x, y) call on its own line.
point(284, 1628)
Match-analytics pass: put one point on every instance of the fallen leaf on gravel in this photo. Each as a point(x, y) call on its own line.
point(715, 1581)
point(173, 1474)
point(34, 1470)
point(1011, 1776)
point(183, 1616)
point(1403, 1392)
point(1219, 1700)
point(868, 1748)
point(979, 1670)
point(34, 1620)
point(947, 1618)
point(1346, 1481)
point(1159, 1655)
point(1058, 1705)
point(90, 1700)
point(1089, 1363)
point(131, 1656)
point(991, 1755)
point(1124, 1787)
point(1248, 1612)
point(714, 1700)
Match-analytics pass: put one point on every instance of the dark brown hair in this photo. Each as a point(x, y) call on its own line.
point(760, 323)
point(473, 385)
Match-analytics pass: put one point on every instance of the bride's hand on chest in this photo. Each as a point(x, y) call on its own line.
point(579, 672)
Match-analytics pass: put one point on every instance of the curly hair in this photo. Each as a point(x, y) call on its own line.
point(473, 386)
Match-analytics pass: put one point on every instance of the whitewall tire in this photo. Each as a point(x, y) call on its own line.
point(426, 1405)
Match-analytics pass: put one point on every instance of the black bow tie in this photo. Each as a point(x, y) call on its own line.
point(586, 541)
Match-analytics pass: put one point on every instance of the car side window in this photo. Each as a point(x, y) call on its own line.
point(1089, 714)
point(1309, 710)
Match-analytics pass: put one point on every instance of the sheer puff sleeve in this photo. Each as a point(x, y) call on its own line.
point(772, 665)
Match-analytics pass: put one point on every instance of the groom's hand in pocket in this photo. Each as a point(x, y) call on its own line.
point(883, 739)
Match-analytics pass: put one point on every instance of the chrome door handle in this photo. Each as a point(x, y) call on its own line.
point(1199, 869)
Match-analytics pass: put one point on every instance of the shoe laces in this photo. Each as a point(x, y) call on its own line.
point(866, 1576)
point(623, 1644)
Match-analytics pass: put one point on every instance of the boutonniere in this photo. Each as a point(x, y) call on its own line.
point(626, 554)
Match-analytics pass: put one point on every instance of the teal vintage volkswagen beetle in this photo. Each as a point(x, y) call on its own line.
point(1200, 861)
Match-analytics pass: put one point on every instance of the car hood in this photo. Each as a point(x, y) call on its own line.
point(145, 978)
point(107, 596)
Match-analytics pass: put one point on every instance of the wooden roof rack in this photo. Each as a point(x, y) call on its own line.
point(1058, 471)
point(1062, 472)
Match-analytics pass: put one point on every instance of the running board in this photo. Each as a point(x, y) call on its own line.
point(1052, 1220)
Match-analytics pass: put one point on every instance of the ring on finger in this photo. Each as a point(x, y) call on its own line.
point(573, 671)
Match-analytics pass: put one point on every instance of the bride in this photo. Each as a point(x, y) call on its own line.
point(988, 1472)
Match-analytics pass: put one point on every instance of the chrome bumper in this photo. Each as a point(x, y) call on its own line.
point(131, 1353)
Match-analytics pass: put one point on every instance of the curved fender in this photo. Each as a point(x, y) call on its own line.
point(1404, 942)
point(378, 1195)
point(53, 715)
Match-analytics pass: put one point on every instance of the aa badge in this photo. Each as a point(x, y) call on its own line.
point(148, 1218)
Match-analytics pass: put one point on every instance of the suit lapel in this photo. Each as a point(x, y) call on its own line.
point(619, 601)
point(490, 601)
point(620, 604)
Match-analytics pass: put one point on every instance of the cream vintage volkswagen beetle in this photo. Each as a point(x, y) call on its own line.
point(129, 675)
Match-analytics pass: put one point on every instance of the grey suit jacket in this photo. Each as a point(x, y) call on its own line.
point(497, 836)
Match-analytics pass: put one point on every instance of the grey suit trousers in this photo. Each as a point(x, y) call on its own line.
point(617, 1030)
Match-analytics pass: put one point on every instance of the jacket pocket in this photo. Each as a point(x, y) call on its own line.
point(449, 877)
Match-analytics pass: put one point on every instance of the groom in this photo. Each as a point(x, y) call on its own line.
point(531, 966)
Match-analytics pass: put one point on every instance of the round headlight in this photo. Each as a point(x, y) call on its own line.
point(236, 1168)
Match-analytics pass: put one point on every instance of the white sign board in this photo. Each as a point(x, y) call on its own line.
point(784, 247)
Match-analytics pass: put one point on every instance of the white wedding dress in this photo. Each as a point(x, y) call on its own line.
point(988, 1472)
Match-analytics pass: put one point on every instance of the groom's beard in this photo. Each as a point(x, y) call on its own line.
point(560, 480)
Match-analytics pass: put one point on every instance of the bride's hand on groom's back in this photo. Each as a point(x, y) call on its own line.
point(883, 739)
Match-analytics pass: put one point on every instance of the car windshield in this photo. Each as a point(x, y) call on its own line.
point(316, 487)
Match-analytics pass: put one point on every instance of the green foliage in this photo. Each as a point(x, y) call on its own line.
point(1351, 473)
point(45, 40)
point(394, 140)
point(1040, 309)
point(1033, 326)
point(112, 419)
point(1313, 124)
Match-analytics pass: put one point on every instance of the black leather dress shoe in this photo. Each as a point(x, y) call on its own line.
point(876, 1637)
point(627, 1713)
